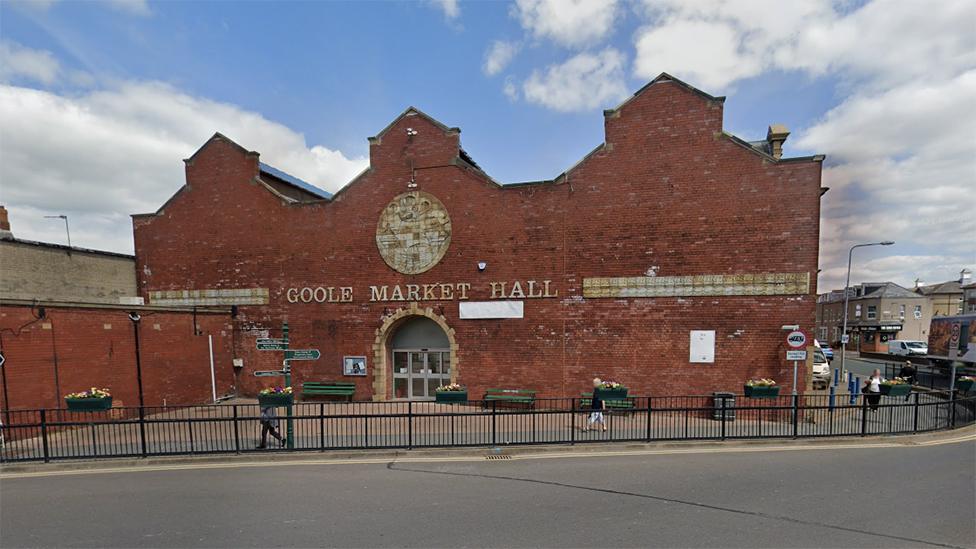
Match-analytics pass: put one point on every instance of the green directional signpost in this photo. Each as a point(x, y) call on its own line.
point(273, 344)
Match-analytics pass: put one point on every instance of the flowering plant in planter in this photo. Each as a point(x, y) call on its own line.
point(761, 388)
point(92, 399)
point(275, 396)
point(90, 393)
point(895, 387)
point(610, 390)
point(761, 382)
point(275, 391)
point(452, 392)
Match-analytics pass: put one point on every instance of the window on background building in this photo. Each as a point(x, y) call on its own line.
point(918, 311)
point(872, 312)
point(857, 311)
point(823, 333)
point(960, 307)
point(901, 312)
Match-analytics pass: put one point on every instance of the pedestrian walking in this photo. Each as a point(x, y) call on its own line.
point(597, 406)
point(907, 373)
point(872, 389)
point(269, 424)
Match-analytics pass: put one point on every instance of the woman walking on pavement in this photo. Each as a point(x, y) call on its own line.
point(872, 389)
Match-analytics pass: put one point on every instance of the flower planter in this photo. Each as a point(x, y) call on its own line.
point(451, 396)
point(89, 403)
point(610, 394)
point(896, 390)
point(275, 400)
point(756, 391)
point(965, 386)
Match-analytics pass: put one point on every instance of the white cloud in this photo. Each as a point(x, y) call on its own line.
point(585, 81)
point(573, 23)
point(132, 7)
point(901, 156)
point(498, 56)
point(17, 61)
point(510, 89)
point(103, 155)
point(450, 8)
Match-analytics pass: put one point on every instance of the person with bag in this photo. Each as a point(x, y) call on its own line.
point(269, 424)
point(872, 389)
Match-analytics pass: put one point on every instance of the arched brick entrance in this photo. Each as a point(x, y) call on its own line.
point(381, 354)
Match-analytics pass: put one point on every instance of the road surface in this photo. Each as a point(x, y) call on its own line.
point(899, 496)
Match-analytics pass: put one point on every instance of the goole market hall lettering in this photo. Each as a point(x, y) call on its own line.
point(529, 289)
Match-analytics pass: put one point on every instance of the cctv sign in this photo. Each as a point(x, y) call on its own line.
point(796, 339)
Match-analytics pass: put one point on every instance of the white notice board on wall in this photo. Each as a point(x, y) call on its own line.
point(702, 346)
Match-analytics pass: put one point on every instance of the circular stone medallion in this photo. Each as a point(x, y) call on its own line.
point(414, 232)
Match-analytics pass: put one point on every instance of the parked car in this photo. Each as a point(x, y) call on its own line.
point(827, 351)
point(821, 370)
point(905, 347)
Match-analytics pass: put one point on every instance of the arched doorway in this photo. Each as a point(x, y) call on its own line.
point(383, 357)
point(420, 355)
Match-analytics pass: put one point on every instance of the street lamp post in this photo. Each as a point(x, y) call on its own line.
point(843, 334)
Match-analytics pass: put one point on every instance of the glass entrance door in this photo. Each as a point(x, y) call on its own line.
point(417, 373)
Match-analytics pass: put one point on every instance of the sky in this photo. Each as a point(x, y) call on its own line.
point(101, 100)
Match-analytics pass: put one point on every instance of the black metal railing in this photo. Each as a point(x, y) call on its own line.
point(56, 434)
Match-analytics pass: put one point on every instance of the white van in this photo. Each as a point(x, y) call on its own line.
point(906, 347)
point(821, 369)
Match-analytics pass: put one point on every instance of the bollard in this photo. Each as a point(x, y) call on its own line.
point(833, 395)
point(836, 376)
point(856, 389)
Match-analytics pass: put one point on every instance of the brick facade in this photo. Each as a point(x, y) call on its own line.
point(73, 348)
point(668, 194)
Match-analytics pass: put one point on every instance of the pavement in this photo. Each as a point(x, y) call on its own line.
point(905, 491)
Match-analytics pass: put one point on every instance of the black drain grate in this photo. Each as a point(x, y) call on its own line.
point(497, 456)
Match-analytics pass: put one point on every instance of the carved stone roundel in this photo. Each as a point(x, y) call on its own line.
point(414, 232)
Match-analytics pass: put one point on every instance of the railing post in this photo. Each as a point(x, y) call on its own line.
point(952, 411)
point(572, 422)
point(648, 419)
point(142, 431)
point(47, 456)
point(322, 425)
point(410, 425)
point(796, 415)
point(915, 419)
point(494, 410)
point(723, 416)
point(864, 416)
point(237, 437)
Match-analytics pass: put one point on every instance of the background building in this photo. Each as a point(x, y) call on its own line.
point(876, 313)
point(66, 324)
point(946, 298)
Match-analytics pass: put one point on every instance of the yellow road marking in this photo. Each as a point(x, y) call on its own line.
point(449, 459)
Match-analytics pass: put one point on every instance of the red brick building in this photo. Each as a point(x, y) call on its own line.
point(668, 258)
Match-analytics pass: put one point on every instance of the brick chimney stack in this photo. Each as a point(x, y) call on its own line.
point(776, 136)
point(5, 233)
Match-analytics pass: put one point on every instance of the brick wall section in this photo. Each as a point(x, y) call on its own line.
point(96, 347)
point(668, 189)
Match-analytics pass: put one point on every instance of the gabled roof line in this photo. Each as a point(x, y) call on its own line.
point(222, 137)
point(410, 111)
point(661, 78)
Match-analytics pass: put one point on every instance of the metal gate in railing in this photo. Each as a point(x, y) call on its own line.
point(56, 434)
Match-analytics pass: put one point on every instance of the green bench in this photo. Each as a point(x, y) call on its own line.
point(625, 404)
point(328, 388)
point(524, 397)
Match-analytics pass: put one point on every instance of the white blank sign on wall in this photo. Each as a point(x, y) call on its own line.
point(702, 346)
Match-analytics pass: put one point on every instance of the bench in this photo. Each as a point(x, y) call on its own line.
point(328, 388)
point(523, 397)
point(625, 404)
